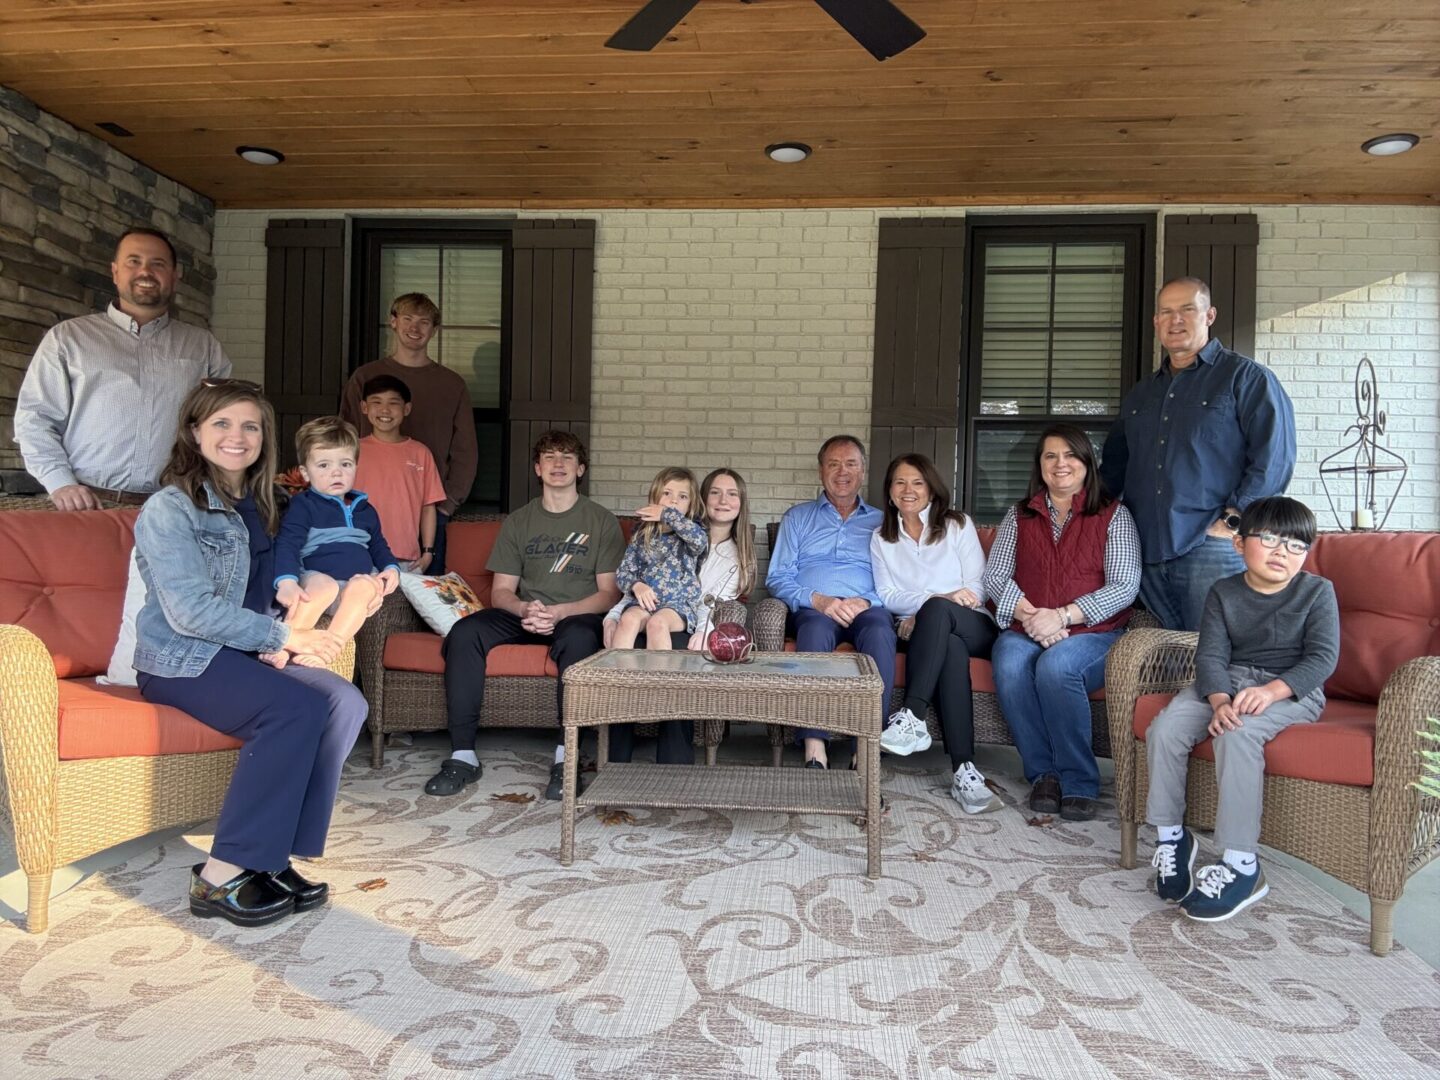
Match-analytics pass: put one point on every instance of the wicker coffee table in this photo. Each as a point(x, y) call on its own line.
point(838, 692)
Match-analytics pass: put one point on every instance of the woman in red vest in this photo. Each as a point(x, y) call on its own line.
point(1063, 572)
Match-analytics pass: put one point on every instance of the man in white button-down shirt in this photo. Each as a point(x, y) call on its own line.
point(96, 414)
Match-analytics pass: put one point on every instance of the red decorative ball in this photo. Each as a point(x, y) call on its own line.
point(729, 642)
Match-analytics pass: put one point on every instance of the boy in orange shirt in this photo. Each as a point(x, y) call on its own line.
point(398, 474)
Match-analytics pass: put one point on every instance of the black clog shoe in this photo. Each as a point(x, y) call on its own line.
point(307, 894)
point(250, 898)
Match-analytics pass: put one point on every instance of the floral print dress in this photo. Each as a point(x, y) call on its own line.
point(668, 565)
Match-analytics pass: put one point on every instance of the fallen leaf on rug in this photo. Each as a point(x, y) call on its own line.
point(513, 796)
point(923, 856)
point(617, 817)
point(993, 786)
point(1041, 821)
point(372, 884)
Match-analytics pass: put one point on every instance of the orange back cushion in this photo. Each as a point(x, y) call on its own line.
point(62, 577)
point(1388, 588)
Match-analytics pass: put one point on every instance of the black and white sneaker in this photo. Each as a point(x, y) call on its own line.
point(1174, 864)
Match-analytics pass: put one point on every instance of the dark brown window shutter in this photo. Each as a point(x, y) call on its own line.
point(1219, 248)
point(551, 316)
point(915, 396)
point(304, 322)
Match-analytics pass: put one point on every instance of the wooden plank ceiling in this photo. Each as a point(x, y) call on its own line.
point(517, 103)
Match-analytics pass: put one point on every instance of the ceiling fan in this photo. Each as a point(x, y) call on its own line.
point(881, 27)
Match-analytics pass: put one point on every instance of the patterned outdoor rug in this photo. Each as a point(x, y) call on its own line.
point(704, 945)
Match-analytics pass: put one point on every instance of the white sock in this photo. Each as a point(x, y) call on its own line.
point(1243, 861)
point(1170, 834)
point(559, 754)
point(467, 756)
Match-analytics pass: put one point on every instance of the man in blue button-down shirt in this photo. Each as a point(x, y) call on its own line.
point(820, 568)
point(1196, 443)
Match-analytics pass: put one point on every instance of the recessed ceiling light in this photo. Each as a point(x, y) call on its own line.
point(787, 152)
point(260, 155)
point(1386, 145)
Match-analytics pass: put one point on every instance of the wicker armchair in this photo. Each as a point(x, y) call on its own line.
point(1372, 838)
point(61, 811)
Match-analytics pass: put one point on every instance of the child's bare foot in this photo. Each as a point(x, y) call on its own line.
point(275, 659)
point(306, 660)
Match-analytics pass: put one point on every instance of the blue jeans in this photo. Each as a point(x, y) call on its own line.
point(1175, 590)
point(872, 632)
point(1044, 696)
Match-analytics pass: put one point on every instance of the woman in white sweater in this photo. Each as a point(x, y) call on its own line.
point(929, 568)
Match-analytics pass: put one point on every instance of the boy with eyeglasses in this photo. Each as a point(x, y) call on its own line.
point(1269, 638)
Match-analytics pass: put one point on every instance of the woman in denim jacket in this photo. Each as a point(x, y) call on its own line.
point(203, 546)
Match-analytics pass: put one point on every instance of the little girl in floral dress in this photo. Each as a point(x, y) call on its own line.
point(658, 574)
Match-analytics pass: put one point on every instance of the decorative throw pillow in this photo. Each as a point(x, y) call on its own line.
point(440, 601)
point(122, 661)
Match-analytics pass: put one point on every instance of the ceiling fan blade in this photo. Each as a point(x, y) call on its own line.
point(879, 25)
point(648, 26)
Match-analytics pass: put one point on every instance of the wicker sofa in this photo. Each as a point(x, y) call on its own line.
point(402, 671)
point(83, 766)
point(990, 726)
point(1337, 792)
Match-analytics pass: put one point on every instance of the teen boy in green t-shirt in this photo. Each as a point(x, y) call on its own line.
point(554, 565)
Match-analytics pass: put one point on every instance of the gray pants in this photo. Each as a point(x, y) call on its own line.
point(1239, 757)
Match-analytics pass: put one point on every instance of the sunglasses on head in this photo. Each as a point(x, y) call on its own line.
point(239, 384)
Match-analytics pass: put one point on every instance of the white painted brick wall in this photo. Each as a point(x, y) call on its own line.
point(745, 337)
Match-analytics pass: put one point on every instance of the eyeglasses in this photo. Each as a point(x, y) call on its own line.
point(1270, 541)
point(239, 384)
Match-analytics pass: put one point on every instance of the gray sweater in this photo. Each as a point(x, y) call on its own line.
point(1293, 634)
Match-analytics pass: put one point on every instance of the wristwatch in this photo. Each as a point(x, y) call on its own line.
point(1231, 522)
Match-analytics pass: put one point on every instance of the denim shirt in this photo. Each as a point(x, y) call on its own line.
point(1189, 443)
point(195, 564)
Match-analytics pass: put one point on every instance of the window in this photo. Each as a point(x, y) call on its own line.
point(464, 269)
point(1057, 328)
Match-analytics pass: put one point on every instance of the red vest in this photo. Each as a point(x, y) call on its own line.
point(1052, 575)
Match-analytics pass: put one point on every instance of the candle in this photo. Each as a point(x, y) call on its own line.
point(1364, 518)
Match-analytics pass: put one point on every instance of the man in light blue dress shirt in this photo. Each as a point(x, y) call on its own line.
point(820, 568)
point(95, 417)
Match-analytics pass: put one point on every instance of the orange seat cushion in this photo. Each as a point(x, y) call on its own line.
point(1380, 628)
point(62, 577)
point(115, 721)
point(1339, 748)
point(421, 652)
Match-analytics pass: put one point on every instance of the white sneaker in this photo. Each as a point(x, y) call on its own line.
point(970, 791)
point(904, 734)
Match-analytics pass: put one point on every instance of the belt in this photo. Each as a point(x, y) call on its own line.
point(124, 498)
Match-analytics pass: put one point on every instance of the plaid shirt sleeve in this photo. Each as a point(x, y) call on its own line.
point(1000, 584)
point(1122, 572)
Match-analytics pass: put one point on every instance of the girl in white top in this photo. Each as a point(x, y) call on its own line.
point(929, 567)
point(727, 571)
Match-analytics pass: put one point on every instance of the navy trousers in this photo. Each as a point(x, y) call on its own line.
point(297, 726)
point(872, 633)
